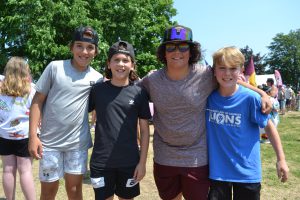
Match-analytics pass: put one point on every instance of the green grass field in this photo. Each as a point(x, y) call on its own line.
point(272, 188)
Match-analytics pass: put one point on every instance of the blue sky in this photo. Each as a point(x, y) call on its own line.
point(219, 23)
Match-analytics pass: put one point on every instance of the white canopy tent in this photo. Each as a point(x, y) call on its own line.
point(262, 79)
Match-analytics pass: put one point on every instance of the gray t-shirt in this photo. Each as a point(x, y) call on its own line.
point(179, 116)
point(65, 113)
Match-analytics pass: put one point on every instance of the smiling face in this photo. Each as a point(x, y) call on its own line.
point(228, 64)
point(177, 55)
point(120, 65)
point(227, 77)
point(83, 54)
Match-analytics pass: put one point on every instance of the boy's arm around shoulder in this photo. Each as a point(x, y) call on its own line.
point(281, 165)
point(140, 170)
point(34, 145)
point(266, 104)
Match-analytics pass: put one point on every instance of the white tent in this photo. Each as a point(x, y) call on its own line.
point(262, 79)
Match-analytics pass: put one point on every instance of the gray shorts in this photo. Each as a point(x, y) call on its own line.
point(54, 164)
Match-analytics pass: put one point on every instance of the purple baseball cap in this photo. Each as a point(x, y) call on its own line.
point(178, 33)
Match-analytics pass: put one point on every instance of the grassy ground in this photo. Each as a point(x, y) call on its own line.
point(289, 130)
point(272, 188)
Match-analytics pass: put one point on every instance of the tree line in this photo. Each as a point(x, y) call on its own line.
point(284, 55)
point(41, 30)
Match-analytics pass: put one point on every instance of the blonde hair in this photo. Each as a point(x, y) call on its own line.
point(229, 56)
point(17, 81)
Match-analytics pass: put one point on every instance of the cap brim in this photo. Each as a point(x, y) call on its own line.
point(172, 41)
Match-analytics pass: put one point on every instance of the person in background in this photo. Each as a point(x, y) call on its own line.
point(288, 97)
point(116, 165)
point(274, 89)
point(293, 101)
point(233, 118)
point(298, 101)
point(15, 99)
point(274, 114)
point(179, 91)
point(62, 101)
point(281, 99)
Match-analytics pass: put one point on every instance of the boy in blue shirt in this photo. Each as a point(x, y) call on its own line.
point(233, 118)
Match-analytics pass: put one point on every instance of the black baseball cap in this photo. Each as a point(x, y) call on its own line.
point(121, 47)
point(85, 34)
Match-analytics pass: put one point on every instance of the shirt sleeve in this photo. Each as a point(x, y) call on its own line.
point(45, 82)
point(92, 99)
point(144, 111)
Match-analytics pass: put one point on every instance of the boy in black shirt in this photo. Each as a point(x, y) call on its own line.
point(116, 165)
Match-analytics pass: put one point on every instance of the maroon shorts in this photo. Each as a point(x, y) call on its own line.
point(192, 182)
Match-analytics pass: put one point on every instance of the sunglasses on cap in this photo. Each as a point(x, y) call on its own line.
point(182, 47)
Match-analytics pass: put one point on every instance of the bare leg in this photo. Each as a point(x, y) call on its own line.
point(73, 184)
point(49, 190)
point(26, 178)
point(122, 199)
point(179, 197)
point(9, 176)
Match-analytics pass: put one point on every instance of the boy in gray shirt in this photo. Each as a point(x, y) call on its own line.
point(62, 102)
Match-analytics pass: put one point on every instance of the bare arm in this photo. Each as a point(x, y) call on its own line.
point(281, 165)
point(274, 91)
point(140, 170)
point(266, 104)
point(35, 145)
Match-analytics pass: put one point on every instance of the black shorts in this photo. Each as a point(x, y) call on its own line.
point(221, 190)
point(14, 147)
point(109, 181)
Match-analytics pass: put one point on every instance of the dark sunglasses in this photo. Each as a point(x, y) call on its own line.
point(182, 47)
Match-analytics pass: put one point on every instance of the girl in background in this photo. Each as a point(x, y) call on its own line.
point(15, 100)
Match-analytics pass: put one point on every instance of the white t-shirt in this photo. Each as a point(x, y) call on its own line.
point(288, 93)
point(14, 116)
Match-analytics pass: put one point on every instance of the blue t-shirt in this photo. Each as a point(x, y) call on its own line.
point(233, 136)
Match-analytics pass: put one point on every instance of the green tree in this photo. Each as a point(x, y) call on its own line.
point(258, 60)
point(41, 30)
point(285, 56)
point(138, 22)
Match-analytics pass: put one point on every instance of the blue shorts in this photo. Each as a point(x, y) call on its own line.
point(282, 104)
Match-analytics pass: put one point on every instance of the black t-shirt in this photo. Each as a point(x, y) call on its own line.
point(117, 110)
